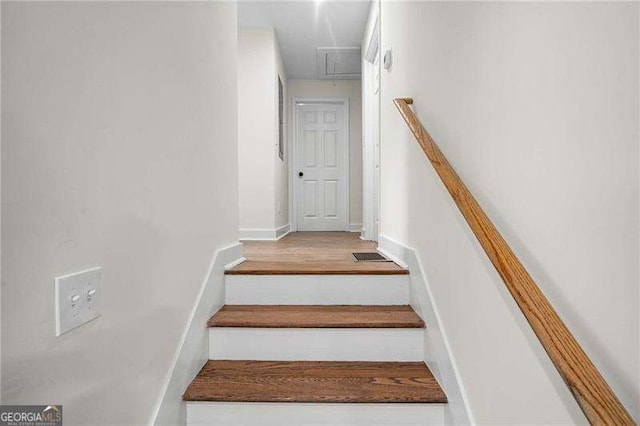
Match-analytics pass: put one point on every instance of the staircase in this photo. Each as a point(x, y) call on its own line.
point(315, 346)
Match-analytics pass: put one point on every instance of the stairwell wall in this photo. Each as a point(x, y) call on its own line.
point(536, 107)
point(119, 149)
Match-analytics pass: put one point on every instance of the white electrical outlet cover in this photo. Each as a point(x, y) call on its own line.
point(77, 299)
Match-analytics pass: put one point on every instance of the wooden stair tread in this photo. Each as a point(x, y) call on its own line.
point(272, 267)
point(315, 381)
point(316, 316)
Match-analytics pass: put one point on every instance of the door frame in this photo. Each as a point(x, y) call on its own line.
point(371, 176)
point(293, 154)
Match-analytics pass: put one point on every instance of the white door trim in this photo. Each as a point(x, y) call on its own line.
point(370, 209)
point(293, 153)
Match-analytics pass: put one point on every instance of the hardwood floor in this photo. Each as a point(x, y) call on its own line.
point(315, 381)
point(320, 253)
point(315, 316)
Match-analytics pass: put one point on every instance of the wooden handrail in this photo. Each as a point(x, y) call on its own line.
point(591, 391)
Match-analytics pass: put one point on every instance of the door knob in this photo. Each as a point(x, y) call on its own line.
point(300, 174)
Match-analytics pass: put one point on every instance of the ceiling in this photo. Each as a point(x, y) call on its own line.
point(304, 26)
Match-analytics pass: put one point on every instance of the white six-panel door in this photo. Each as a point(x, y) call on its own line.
point(321, 167)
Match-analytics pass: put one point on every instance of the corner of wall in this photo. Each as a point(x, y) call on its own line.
point(265, 234)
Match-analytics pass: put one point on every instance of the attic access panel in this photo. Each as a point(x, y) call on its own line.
point(339, 63)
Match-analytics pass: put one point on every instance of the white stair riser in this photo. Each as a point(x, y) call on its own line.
point(317, 289)
point(324, 414)
point(316, 344)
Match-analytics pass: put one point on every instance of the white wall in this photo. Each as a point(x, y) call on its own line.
point(536, 106)
point(263, 176)
point(116, 151)
point(344, 89)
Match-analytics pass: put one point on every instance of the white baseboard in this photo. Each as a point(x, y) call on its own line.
point(235, 262)
point(265, 234)
point(437, 349)
point(355, 227)
point(282, 231)
point(193, 349)
point(392, 250)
